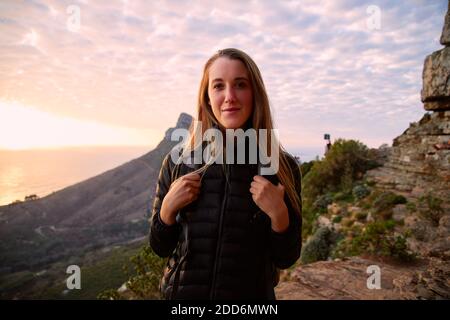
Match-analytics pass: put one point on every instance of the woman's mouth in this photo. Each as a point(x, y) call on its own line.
point(230, 110)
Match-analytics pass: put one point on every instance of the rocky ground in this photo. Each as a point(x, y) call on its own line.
point(347, 279)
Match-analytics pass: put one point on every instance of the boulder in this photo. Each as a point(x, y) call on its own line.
point(436, 87)
point(347, 279)
point(334, 209)
point(445, 37)
point(399, 212)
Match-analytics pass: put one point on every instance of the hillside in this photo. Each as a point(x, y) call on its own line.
point(110, 208)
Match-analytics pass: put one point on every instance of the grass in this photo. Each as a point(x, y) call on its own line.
point(99, 271)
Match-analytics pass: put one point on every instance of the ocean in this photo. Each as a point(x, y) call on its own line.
point(42, 172)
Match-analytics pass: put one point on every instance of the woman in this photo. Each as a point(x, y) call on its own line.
point(225, 228)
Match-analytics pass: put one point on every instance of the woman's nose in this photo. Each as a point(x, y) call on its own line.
point(230, 95)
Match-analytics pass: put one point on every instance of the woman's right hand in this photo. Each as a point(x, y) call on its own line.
point(182, 191)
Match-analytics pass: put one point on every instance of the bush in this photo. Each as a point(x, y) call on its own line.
point(143, 282)
point(309, 217)
point(371, 183)
point(345, 162)
point(322, 202)
point(305, 167)
point(343, 196)
point(411, 207)
point(360, 192)
point(377, 239)
point(384, 203)
point(347, 222)
point(430, 208)
point(361, 215)
point(318, 247)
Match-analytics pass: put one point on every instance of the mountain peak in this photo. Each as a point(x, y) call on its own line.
point(183, 122)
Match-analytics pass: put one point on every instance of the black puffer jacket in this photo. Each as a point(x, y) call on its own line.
point(222, 246)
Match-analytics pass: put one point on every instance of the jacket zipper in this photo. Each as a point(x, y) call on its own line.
point(219, 238)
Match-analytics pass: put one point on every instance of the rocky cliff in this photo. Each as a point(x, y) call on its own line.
point(419, 160)
point(417, 166)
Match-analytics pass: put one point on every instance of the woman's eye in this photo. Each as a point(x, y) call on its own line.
point(237, 85)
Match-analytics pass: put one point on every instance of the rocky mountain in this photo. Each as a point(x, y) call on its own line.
point(112, 207)
point(417, 167)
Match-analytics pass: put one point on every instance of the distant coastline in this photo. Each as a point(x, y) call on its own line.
point(43, 171)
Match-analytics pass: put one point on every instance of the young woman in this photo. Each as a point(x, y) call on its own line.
point(226, 228)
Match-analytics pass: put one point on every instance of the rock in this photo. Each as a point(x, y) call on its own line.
point(399, 212)
point(434, 281)
point(347, 222)
point(436, 72)
point(347, 279)
point(417, 192)
point(183, 122)
point(445, 37)
point(337, 227)
point(444, 226)
point(415, 167)
point(123, 288)
point(436, 89)
point(323, 222)
point(418, 162)
point(358, 224)
point(421, 229)
point(445, 221)
point(440, 248)
point(382, 153)
point(353, 210)
point(334, 209)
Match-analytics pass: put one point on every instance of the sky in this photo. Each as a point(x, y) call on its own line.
point(121, 72)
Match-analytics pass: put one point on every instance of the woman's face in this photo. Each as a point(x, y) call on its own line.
point(230, 92)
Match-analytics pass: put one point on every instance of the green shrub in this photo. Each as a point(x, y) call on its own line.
point(371, 183)
point(344, 163)
point(305, 167)
point(347, 222)
point(343, 196)
point(318, 247)
point(144, 276)
point(365, 205)
point(411, 207)
point(360, 192)
point(376, 238)
point(385, 202)
point(361, 215)
point(430, 208)
point(322, 202)
point(309, 217)
point(337, 219)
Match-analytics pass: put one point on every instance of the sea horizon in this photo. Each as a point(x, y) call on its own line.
point(43, 171)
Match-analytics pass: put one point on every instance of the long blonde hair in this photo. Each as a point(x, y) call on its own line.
point(261, 118)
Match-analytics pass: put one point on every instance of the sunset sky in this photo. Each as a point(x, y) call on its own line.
point(123, 72)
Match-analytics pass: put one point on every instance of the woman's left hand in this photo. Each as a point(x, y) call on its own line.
point(270, 199)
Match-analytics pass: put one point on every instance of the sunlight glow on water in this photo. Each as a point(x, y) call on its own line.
point(42, 172)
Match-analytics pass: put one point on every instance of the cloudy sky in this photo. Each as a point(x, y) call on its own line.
point(121, 72)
